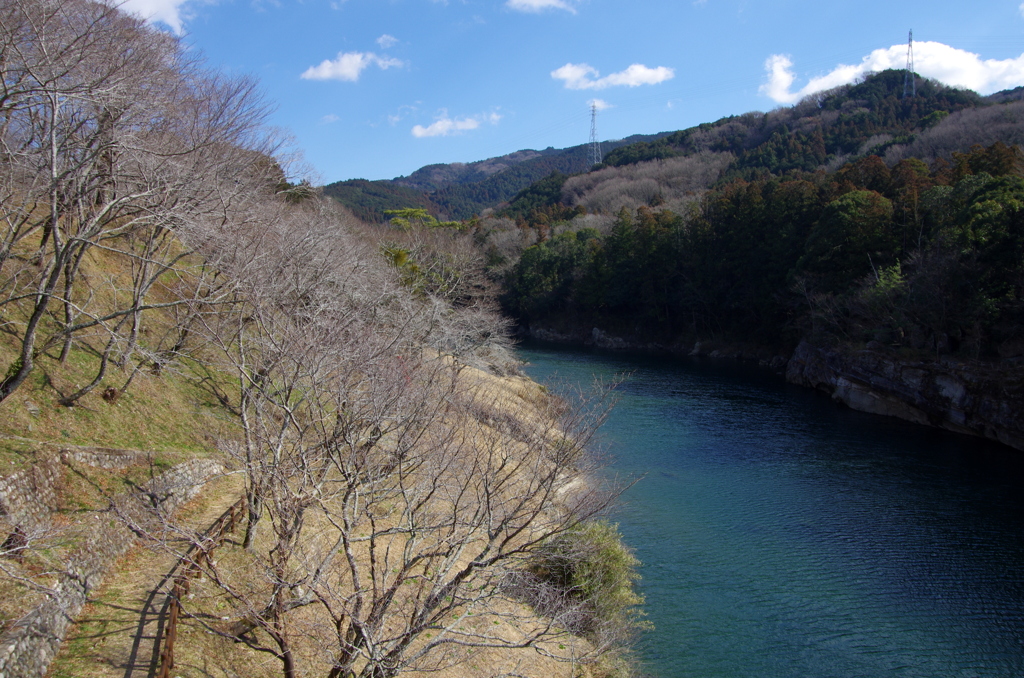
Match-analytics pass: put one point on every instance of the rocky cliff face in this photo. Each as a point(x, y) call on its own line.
point(972, 397)
point(983, 399)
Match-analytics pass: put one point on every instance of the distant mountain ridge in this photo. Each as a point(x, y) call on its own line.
point(432, 178)
point(821, 132)
point(461, 190)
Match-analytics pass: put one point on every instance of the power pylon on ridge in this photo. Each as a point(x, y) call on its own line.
point(595, 145)
point(909, 78)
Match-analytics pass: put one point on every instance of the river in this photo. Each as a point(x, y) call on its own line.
point(784, 536)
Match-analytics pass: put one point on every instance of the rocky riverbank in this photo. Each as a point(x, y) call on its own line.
point(978, 398)
point(598, 338)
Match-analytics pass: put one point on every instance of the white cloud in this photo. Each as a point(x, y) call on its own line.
point(584, 76)
point(946, 64)
point(1021, 9)
point(387, 41)
point(536, 6)
point(445, 126)
point(348, 66)
point(599, 104)
point(168, 12)
point(576, 76)
point(329, 118)
point(403, 111)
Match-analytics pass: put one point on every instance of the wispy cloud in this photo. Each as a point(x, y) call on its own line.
point(445, 126)
point(946, 64)
point(584, 76)
point(599, 104)
point(387, 41)
point(348, 66)
point(168, 12)
point(403, 111)
point(329, 118)
point(537, 6)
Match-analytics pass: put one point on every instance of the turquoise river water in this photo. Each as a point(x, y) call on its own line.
point(785, 536)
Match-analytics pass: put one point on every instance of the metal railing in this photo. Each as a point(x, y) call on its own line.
point(197, 556)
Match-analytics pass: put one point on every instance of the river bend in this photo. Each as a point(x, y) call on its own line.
point(785, 536)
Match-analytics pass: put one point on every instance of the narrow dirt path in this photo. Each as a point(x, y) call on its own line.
point(115, 636)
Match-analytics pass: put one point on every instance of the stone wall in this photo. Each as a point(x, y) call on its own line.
point(29, 646)
point(103, 457)
point(28, 497)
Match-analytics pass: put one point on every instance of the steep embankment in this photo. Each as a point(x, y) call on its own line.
point(164, 288)
point(129, 612)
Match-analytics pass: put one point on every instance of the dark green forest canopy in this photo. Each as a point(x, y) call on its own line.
point(369, 200)
point(916, 257)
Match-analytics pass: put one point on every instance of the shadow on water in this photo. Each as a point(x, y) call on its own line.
point(783, 535)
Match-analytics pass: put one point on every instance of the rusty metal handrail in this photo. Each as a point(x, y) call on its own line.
point(217, 533)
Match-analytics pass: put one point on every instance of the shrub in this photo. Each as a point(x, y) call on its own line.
point(595, 574)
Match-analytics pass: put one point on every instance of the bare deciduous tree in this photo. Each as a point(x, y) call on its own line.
point(111, 136)
point(392, 491)
point(672, 183)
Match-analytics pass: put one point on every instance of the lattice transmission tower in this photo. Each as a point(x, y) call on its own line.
point(595, 145)
point(909, 78)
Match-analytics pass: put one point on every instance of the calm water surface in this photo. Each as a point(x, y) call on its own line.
point(785, 536)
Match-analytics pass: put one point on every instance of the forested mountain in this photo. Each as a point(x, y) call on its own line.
point(461, 190)
point(823, 131)
point(368, 200)
point(857, 215)
point(849, 121)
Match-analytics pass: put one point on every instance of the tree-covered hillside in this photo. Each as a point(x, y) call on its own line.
point(462, 190)
point(925, 259)
point(368, 200)
point(857, 215)
point(848, 121)
point(821, 133)
point(165, 287)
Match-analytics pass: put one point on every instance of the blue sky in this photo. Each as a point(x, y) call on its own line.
point(375, 89)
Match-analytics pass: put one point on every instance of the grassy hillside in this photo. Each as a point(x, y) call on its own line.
point(166, 291)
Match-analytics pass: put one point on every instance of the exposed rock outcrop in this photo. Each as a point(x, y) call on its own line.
point(973, 397)
point(983, 399)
